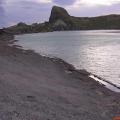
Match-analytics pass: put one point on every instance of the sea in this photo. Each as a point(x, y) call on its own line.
point(97, 51)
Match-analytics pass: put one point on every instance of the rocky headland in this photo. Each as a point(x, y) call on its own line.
point(61, 20)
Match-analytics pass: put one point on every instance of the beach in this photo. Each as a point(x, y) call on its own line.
point(35, 87)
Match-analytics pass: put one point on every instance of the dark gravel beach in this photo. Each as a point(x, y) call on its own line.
point(34, 87)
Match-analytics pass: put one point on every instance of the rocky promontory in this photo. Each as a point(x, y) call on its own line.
point(61, 20)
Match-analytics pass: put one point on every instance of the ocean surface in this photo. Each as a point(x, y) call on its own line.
point(97, 51)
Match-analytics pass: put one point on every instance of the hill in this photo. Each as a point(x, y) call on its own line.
point(60, 19)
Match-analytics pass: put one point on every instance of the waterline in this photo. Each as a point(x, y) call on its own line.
point(95, 51)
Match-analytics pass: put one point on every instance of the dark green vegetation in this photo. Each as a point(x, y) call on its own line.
point(61, 20)
point(5, 35)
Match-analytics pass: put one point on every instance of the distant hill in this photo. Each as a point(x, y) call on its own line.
point(61, 20)
point(61, 16)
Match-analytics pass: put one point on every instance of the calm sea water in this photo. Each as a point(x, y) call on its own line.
point(96, 51)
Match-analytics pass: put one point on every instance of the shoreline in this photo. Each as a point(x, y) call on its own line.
point(38, 87)
point(70, 68)
point(100, 80)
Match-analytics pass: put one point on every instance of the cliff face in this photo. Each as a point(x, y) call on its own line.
point(59, 19)
point(58, 13)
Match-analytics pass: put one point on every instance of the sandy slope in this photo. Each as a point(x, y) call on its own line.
point(33, 87)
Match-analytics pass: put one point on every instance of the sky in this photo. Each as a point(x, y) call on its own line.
point(31, 11)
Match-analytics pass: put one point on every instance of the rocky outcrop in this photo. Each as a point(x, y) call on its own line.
point(59, 25)
point(5, 35)
point(60, 19)
point(58, 13)
point(82, 23)
point(2, 32)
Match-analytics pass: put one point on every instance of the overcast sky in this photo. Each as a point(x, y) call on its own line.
point(30, 11)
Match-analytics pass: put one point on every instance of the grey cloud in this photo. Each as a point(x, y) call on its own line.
point(64, 2)
point(86, 11)
point(2, 14)
point(27, 11)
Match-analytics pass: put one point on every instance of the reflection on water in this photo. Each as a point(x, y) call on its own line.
point(95, 51)
point(104, 60)
point(108, 84)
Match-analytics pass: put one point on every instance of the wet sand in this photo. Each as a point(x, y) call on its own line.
point(34, 87)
